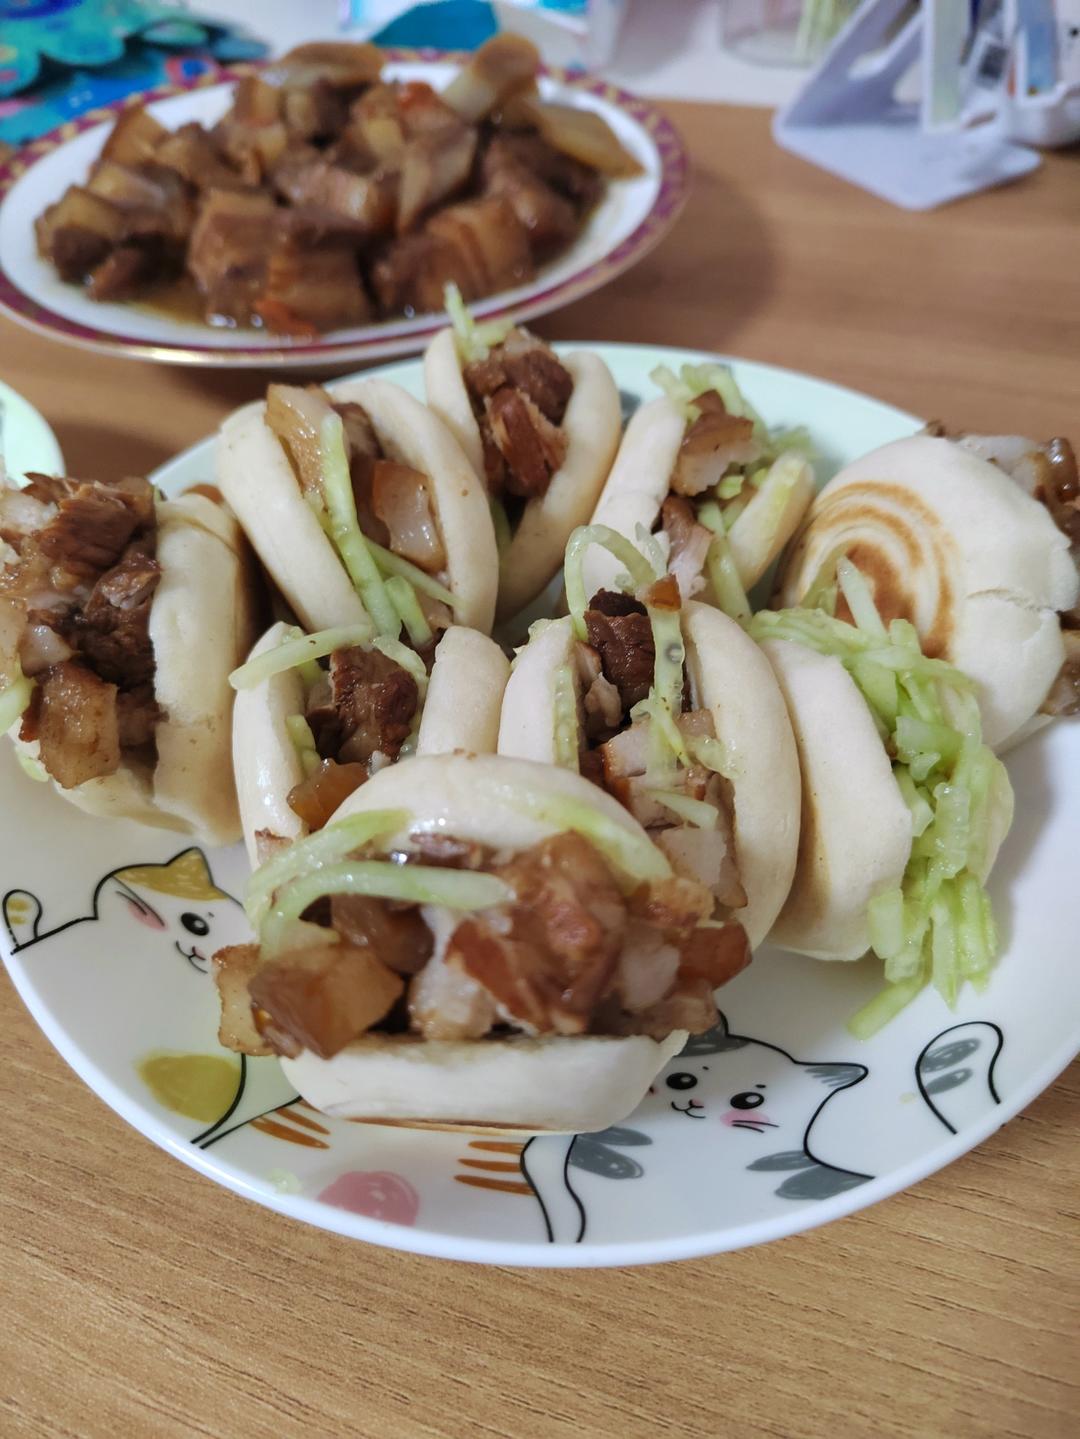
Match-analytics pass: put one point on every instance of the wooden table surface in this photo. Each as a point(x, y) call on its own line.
point(142, 1300)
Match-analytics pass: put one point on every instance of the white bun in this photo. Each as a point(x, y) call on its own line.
point(519, 1083)
point(855, 838)
point(734, 681)
point(473, 798)
point(591, 424)
point(529, 1086)
point(265, 760)
point(527, 725)
point(465, 690)
point(256, 478)
point(461, 711)
point(200, 627)
point(637, 486)
point(447, 397)
point(414, 435)
point(947, 540)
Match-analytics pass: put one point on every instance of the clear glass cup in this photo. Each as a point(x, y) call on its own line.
point(781, 32)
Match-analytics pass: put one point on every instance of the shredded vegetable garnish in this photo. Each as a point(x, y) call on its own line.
point(697, 812)
point(501, 522)
point(344, 528)
point(640, 572)
point(566, 719)
point(328, 846)
point(937, 927)
point(13, 700)
point(31, 767)
point(694, 380)
point(403, 598)
point(297, 650)
point(460, 889)
point(720, 565)
point(391, 564)
point(405, 657)
point(303, 742)
point(633, 855)
point(472, 340)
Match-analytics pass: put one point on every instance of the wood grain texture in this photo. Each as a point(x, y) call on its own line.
point(142, 1300)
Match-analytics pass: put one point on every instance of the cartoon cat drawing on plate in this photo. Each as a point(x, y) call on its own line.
point(729, 1114)
point(149, 936)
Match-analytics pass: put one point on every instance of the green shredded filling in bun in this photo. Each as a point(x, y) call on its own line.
point(937, 927)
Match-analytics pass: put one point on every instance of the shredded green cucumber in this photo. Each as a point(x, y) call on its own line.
point(633, 855)
point(501, 522)
point(640, 571)
point(13, 700)
point(472, 339)
point(297, 650)
point(403, 598)
point(328, 846)
point(937, 927)
point(31, 767)
point(696, 812)
point(344, 528)
point(405, 657)
point(565, 704)
point(303, 742)
point(391, 564)
point(720, 563)
point(459, 889)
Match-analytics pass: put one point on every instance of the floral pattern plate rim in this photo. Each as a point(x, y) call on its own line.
point(776, 1122)
point(631, 219)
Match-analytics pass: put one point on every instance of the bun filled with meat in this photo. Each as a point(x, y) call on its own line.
point(975, 542)
point(698, 470)
point(674, 711)
point(121, 616)
point(904, 807)
point(476, 941)
point(540, 430)
point(317, 715)
point(362, 507)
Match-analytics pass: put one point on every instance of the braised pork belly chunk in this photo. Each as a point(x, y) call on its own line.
point(327, 196)
point(78, 577)
point(570, 952)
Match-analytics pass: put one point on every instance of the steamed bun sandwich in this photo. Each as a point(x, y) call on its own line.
point(480, 941)
point(671, 708)
point(540, 430)
point(970, 542)
point(698, 468)
point(904, 807)
point(362, 507)
point(317, 715)
point(121, 615)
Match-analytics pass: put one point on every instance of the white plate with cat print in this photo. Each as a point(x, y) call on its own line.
point(776, 1122)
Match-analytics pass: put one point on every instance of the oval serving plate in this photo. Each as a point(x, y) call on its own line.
point(631, 218)
point(121, 989)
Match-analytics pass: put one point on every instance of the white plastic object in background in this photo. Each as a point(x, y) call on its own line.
point(850, 119)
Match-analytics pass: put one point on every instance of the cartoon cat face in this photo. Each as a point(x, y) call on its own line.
point(728, 1084)
point(178, 903)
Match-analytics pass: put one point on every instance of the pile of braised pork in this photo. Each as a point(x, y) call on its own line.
point(326, 197)
point(77, 576)
point(616, 670)
point(519, 393)
point(570, 954)
point(360, 712)
point(394, 506)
